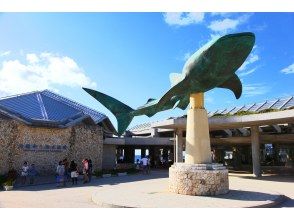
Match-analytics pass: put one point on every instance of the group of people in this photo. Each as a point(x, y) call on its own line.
point(28, 172)
point(66, 171)
point(144, 164)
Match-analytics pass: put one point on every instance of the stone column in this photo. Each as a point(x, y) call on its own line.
point(197, 140)
point(179, 146)
point(129, 155)
point(143, 152)
point(255, 144)
point(151, 155)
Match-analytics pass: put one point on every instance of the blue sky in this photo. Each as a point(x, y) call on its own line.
point(130, 55)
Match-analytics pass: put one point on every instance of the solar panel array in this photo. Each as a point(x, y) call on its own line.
point(279, 104)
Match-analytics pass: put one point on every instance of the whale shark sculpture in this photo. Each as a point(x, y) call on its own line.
point(212, 66)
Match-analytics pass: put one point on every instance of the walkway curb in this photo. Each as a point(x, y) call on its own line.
point(96, 198)
point(281, 199)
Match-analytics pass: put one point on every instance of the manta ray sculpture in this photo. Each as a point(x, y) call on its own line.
point(212, 66)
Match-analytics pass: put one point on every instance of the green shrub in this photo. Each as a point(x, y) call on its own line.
point(268, 110)
point(9, 178)
point(2, 179)
point(8, 182)
point(132, 171)
point(244, 113)
point(98, 173)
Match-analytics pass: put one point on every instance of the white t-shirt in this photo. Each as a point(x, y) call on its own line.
point(144, 161)
point(24, 170)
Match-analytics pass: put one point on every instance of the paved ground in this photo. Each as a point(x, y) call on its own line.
point(243, 185)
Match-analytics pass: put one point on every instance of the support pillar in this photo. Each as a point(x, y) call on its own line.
point(179, 146)
point(129, 155)
point(198, 149)
point(151, 156)
point(255, 145)
point(143, 152)
point(198, 176)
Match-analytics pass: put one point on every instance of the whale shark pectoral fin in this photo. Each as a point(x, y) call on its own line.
point(234, 84)
point(184, 102)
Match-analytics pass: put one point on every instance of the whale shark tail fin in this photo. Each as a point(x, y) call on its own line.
point(120, 110)
point(234, 84)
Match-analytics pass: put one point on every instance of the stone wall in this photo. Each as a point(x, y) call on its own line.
point(198, 179)
point(109, 156)
point(46, 146)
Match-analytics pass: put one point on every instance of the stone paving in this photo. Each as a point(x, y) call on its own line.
point(244, 189)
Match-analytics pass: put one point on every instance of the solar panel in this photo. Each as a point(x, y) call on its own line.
point(267, 105)
point(246, 107)
point(279, 104)
point(256, 106)
point(289, 104)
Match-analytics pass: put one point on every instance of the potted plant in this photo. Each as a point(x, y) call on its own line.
point(9, 179)
point(8, 185)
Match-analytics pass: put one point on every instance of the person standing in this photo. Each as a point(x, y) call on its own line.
point(32, 172)
point(85, 170)
point(60, 171)
point(74, 172)
point(90, 169)
point(66, 168)
point(144, 161)
point(24, 172)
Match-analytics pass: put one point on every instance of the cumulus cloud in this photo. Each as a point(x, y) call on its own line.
point(41, 71)
point(32, 58)
point(246, 73)
point(288, 69)
point(255, 89)
point(183, 19)
point(228, 24)
point(222, 14)
point(4, 53)
point(253, 57)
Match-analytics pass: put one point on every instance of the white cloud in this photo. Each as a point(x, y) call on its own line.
point(288, 69)
point(43, 71)
point(4, 53)
point(183, 19)
point(242, 74)
point(32, 58)
point(228, 24)
point(253, 57)
point(255, 89)
point(221, 14)
point(223, 25)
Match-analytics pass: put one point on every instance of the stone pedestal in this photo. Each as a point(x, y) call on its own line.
point(198, 179)
point(198, 176)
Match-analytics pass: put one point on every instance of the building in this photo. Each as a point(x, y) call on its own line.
point(241, 137)
point(43, 128)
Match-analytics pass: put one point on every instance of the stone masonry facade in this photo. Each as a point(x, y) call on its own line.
point(198, 179)
point(45, 146)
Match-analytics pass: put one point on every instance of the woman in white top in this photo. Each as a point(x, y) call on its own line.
point(24, 172)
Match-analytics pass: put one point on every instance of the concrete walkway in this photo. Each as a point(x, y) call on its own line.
point(246, 191)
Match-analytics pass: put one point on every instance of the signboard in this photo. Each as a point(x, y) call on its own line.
point(46, 147)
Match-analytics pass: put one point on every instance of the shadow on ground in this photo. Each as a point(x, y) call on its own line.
point(273, 178)
point(96, 182)
point(244, 195)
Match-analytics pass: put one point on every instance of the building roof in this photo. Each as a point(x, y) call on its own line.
point(48, 108)
point(277, 104)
